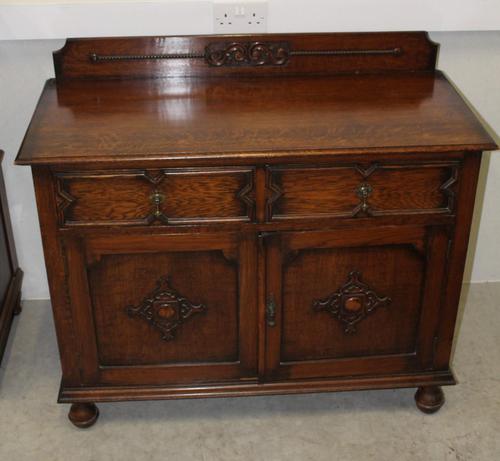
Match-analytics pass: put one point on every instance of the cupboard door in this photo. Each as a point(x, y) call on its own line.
point(159, 309)
point(353, 302)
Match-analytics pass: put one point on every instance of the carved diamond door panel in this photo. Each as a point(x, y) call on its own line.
point(352, 295)
point(181, 307)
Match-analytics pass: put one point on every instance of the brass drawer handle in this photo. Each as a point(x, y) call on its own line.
point(363, 192)
point(157, 199)
point(271, 311)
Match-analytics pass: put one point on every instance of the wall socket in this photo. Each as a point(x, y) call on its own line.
point(240, 17)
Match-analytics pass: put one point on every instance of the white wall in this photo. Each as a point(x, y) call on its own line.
point(471, 59)
point(43, 19)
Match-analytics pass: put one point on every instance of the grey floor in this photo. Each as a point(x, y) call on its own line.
point(375, 425)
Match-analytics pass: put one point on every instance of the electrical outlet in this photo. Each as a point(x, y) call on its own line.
point(240, 17)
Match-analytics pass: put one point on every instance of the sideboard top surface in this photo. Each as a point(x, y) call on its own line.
point(234, 114)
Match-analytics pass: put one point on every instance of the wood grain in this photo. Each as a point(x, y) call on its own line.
point(125, 197)
point(227, 119)
point(74, 60)
point(316, 223)
point(315, 192)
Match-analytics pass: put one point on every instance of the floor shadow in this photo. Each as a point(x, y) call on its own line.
point(339, 403)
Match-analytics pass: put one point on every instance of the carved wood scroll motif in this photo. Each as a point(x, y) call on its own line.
point(238, 54)
point(245, 54)
point(352, 302)
point(165, 309)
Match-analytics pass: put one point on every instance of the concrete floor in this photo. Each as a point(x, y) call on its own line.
point(375, 425)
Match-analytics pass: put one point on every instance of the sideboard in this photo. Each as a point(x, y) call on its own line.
point(11, 275)
point(249, 215)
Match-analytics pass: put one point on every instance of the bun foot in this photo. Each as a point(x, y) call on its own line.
point(429, 399)
point(83, 415)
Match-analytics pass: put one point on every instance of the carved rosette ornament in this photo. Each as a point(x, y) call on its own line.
point(352, 302)
point(247, 54)
point(165, 309)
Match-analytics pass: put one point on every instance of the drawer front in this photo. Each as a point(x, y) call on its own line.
point(140, 197)
point(351, 191)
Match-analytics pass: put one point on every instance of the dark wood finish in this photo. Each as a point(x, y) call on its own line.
point(187, 196)
point(205, 120)
point(137, 57)
point(253, 235)
point(251, 388)
point(216, 271)
point(11, 275)
point(429, 399)
point(83, 415)
point(308, 270)
point(134, 121)
point(316, 192)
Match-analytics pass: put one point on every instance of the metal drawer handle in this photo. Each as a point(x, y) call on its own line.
point(157, 199)
point(363, 192)
point(271, 311)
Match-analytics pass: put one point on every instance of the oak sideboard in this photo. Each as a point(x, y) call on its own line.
point(249, 215)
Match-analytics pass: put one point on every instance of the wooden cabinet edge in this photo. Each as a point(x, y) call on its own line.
point(11, 298)
point(132, 393)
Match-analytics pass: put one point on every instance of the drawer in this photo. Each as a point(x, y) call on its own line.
point(352, 191)
point(160, 197)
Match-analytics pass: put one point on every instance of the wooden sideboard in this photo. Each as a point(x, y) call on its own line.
point(10, 275)
point(253, 215)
